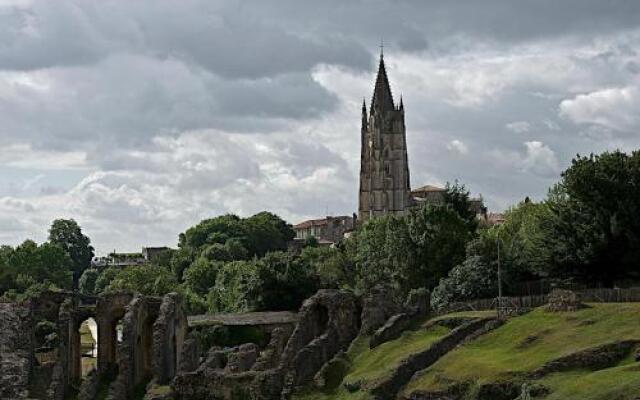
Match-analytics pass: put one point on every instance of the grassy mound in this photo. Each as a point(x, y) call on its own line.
point(527, 342)
point(505, 355)
point(619, 383)
point(367, 365)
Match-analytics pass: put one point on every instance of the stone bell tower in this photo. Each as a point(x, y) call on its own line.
point(384, 167)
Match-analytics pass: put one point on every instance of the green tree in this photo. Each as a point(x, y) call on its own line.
point(201, 275)
point(30, 263)
point(473, 279)
point(230, 293)
point(524, 255)
point(458, 197)
point(268, 233)
point(87, 283)
point(104, 279)
point(594, 231)
point(181, 259)
point(150, 280)
point(67, 234)
point(411, 251)
point(439, 236)
point(281, 282)
point(333, 266)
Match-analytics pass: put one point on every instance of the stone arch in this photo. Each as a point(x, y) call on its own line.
point(110, 312)
point(75, 345)
point(169, 335)
point(144, 349)
point(134, 352)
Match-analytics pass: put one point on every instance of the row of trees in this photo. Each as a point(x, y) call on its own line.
point(57, 263)
point(587, 231)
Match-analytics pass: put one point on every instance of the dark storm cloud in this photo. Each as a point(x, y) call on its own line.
point(176, 110)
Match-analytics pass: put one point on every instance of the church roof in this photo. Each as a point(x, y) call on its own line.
point(382, 97)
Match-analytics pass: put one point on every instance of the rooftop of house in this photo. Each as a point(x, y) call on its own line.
point(319, 222)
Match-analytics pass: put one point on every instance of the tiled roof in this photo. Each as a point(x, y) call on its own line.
point(310, 223)
point(320, 222)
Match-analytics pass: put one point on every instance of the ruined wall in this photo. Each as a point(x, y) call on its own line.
point(328, 322)
point(16, 350)
point(378, 305)
point(169, 334)
point(135, 351)
point(110, 309)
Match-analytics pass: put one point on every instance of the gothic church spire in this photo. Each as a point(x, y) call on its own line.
point(382, 98)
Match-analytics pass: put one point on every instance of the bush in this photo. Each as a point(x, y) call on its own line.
point(201, 275)
point(87, 283)
point(472, 279)
point(149, 280)
point(104, 279)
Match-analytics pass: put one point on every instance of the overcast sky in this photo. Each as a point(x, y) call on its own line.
point(140, 118)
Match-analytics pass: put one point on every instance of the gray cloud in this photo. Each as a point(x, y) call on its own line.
point(140, 118)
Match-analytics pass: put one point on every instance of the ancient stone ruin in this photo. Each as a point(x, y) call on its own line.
point(327, 324)
point(564, 300)
point(148, 346)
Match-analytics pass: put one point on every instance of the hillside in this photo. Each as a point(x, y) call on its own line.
point(558, 355)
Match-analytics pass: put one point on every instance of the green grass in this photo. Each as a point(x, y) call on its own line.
point(379, 362)
point(359, 346)
point(527, 342)
point(618, 383)
point(466, 314)
point(368, 365)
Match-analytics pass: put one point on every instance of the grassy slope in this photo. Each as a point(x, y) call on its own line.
point(529, 341)
point(367, 365)
point(619, 383)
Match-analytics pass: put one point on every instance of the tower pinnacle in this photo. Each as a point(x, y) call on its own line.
point(382, 97)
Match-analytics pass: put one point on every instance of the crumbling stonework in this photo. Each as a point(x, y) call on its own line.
point(110, 309)
point(190, 355)
point(596, 358)
point(135, 350)
point(147, 341)
point(564, 300)
point(15, 350)
point(270, 356)
point(378, 305)
point(89, 386)
point(242, 359)
point(328, 322)
point(169, 333)
point(416, 306)
point(389, 387)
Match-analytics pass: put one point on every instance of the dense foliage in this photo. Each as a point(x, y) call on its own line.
point(411, 251)
point(595, 223)
point(66, 233)
point(586, 231)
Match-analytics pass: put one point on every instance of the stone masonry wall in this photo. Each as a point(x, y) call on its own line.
point(15, 351)
point(169, 334)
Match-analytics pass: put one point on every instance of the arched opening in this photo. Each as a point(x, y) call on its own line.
point(110, 333)
point(88, 345)
point(84, 348)
point(320, 319)
point(174, 356)
point(147, 349)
